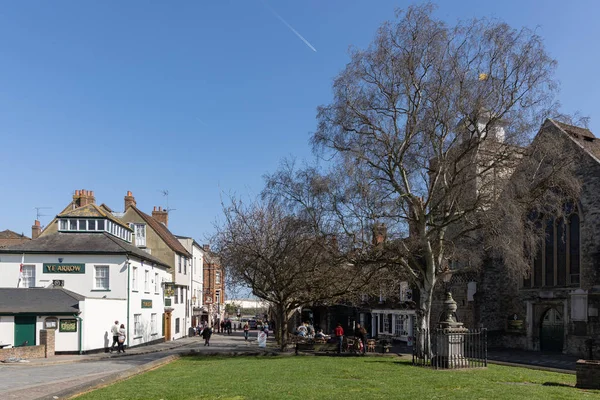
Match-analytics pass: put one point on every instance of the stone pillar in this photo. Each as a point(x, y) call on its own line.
point(47, 338)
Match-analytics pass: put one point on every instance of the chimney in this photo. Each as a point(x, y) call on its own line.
point(161, 215)
point(206, 247)
point(36, 229)
point(129, 200)
point(83, 198)
point(379, 233)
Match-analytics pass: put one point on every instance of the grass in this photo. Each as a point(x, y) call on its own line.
point(237, 378)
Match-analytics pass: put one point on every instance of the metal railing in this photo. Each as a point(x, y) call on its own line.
point(450, 349)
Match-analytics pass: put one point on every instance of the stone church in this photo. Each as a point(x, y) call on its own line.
point(554, 308)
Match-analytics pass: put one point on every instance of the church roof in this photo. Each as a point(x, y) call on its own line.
point(583, 136)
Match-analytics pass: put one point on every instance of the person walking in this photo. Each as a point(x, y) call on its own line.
point(361, 334)
point(114, 330)
point(339, 334)
point(122, 337)
point(206, 333)
point(246, 331)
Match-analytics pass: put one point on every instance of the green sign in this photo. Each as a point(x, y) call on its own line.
point(64, 268)
point(146, 303)
point(67, 325)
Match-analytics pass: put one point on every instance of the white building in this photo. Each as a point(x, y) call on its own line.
point(91, 256)
point(196, 278)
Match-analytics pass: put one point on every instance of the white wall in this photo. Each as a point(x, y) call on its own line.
point(7, 329)
point(99, 315)
point(82, 284)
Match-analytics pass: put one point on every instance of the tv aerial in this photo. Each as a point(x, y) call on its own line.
point(39, 214)
point(165, 193)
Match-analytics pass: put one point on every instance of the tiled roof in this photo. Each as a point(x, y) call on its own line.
point(39, 301)
point(164, 233)
point(8, 238)
point(584, 137)
point(91, 211)
point(81, 243)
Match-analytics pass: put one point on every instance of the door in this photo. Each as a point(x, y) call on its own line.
point(552, 332)
point(24, 330)
point(167, 325)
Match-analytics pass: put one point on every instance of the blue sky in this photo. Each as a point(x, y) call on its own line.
point(202, 98)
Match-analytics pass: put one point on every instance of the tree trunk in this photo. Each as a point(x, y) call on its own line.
point(423, 341)
point(281, 318)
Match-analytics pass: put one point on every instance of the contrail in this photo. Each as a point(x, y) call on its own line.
point(279, 17)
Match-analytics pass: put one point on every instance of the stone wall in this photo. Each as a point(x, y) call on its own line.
point(588, 374)
point(26, 352)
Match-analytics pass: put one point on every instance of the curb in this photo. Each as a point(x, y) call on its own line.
point(108, 380)
point(531, 366)
point(92, 358)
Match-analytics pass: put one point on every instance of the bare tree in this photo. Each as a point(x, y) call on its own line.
point(425, 131)
point(282, 258)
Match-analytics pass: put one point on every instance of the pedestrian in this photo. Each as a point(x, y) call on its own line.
point(246, 331)
point(206, 333)
point(266, 328)
point(222, 325)
point(122, 337)
point(339, 334)
point(361, 334)
point(228, 326)
point(115, 334)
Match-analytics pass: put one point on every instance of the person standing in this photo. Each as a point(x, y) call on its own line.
point(114, 330)
point(246, 331)
point(339, 334)
point(122, 337)
point(361, 334)
point(206, 333)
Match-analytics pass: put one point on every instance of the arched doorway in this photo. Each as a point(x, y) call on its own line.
point(552, 332)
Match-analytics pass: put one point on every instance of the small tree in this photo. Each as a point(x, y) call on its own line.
point(424, 133)
point(282, 258)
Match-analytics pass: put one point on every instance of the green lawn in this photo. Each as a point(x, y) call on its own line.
point(336, 378)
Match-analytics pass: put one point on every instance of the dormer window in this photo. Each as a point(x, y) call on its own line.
point(94, 225)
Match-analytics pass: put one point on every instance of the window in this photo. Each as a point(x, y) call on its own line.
point(185, 260)
point(82, 225)
point(137, 324)
point(146, 281)
point(63, 224)
point(72, 224)
point(156, 286)
point(28, 279)
point(101, 281)
point(180, 264)
point(140, 234)
point(153, 326)
point(134, 278)
point(176, 325)
point(176, 295)
point(217, 277)
point(92, 225)
point(100, 224)
point(556, 262)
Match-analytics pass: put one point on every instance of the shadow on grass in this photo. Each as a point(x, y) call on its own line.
point(557, 384)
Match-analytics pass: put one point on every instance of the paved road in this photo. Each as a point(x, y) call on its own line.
point(28, 382)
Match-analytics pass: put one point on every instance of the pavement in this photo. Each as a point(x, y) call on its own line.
point(63, 376)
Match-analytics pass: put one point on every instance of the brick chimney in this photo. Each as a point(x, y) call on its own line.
point(83, 198)
point(206, 247)
point(36, 229)
point(129, 200)
point(161, 215)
